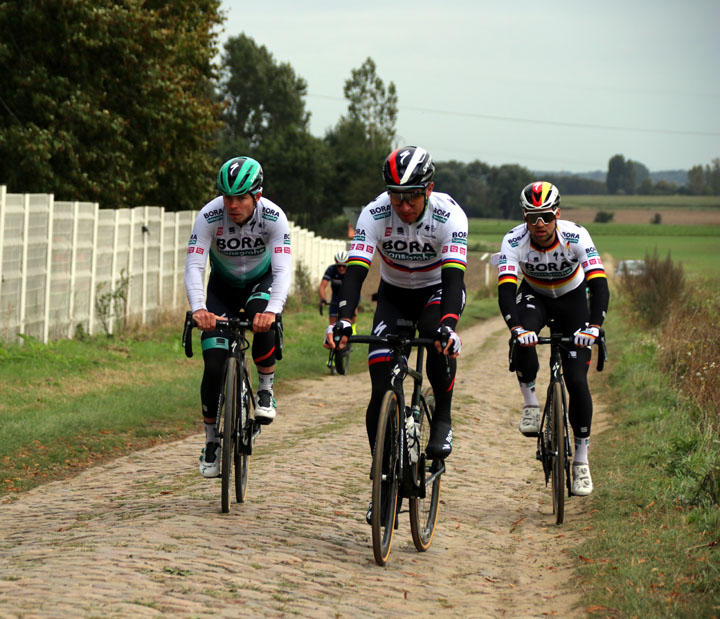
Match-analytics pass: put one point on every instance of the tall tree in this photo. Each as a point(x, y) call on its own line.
point(371, 104)
point(360, 141)
point(265, 118)
point(616, 174)
point(262, 97)
point(506, 183)
point(696, 180)
point(108, 101)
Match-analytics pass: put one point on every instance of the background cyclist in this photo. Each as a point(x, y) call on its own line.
point(334, 276)
point(421, 238)
point(247, 239)
point(558, 261)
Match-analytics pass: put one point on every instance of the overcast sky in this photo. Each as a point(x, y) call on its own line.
point(559, 85)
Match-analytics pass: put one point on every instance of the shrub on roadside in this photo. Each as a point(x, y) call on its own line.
point(688, 352)
point(654, 292)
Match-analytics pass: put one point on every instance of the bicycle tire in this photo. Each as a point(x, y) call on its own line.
point(424, 508)
point(342, 360)
point(244, 423)
point(559, 455)
point(229, 418)
point(385, 483)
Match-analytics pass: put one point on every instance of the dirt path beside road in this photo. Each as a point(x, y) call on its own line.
point(143, 536)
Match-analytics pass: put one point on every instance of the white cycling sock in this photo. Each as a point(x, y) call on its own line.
point(581, 450)
point(265, 381)
point(211, 433)
point(528, 393)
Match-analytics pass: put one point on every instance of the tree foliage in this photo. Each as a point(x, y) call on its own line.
point(108, 101)
point(371, 104)
point(262, 97)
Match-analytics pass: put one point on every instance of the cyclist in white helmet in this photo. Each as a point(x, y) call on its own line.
point(558, 262)
point(334, 276)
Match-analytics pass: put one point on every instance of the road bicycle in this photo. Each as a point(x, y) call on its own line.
point(400, 468)
point(338, 360)
point(235, 421)
point(554, 448)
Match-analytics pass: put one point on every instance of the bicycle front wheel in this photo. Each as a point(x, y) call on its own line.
point(243, 446)
point(559, 455)
point(385, 483)
point(229, 421)
point(424, 507)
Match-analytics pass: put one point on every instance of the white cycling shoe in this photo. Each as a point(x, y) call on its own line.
point(266, 408)
point(530, 422)
point(582, 484)
point(210, 460)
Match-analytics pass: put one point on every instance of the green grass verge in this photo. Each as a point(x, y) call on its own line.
point(653, 546)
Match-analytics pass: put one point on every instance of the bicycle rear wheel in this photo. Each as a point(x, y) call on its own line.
point(342, 360)
point(385, 483)
point(558, 450)
point(243, 446)
point(424, 508)
point(229, 421)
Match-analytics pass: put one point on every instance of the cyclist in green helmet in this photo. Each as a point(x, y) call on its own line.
point(247, 238)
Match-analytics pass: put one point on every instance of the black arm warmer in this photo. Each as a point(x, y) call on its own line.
point(453, 293)
point(599, 299)
point(506, 301)
point(350, 290)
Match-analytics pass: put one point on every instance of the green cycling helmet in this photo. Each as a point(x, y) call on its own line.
point(240, 175)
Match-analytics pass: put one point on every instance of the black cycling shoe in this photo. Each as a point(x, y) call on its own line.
point(440, 444)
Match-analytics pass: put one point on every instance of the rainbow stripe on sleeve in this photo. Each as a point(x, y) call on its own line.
point(360, 261)
point(454, 262)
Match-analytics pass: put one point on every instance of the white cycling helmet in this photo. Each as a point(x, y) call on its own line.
point(341, 257)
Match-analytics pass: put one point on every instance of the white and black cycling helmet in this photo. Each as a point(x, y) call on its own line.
point(539, 197)
point(341, 258)
point(409, 167)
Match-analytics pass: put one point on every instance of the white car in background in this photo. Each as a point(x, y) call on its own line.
point(630, 267)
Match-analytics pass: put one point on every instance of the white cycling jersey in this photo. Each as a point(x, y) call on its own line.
point(239, 255)
point(412, 254)
point(550, 271)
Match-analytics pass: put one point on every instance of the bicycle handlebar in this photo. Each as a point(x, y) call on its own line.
point(557, 338)
point(392, 340)
point(230, 324)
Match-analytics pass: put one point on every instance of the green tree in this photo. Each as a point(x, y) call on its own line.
point(468, 184)
point(696, 181)
point(108, 101)
point(356, 165)
point(262, 97)
point(712, 177)
point(506, 183)
point(361, 141)
point(616, 174)
point(371, 104)
point(265, 118)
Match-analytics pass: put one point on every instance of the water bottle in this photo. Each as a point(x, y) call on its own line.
point(411, 434)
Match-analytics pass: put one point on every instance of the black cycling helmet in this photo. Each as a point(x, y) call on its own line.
point(409, 167)
point(240, 175)
point(540, 196)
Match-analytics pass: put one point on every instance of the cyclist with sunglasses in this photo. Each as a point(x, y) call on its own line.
point(247, 238)
point(420, 236)
point(561, 268)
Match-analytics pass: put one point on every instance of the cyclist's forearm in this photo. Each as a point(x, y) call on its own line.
point(599, 299)
point(350, 290)
point(506, 301)
point(453, 291)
